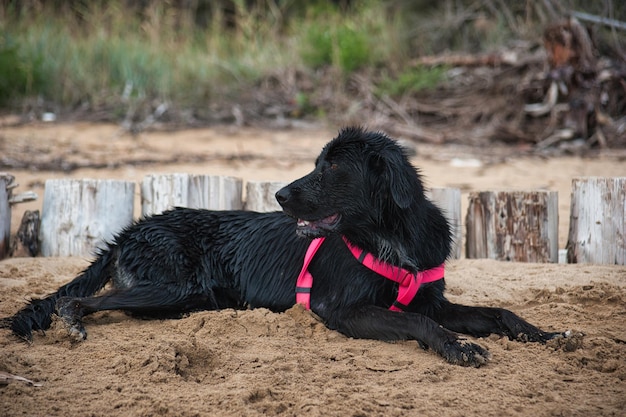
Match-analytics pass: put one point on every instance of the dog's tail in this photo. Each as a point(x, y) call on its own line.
point(37, 315)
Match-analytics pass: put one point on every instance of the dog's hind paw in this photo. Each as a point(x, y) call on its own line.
point(69, 311)
point(464, 353)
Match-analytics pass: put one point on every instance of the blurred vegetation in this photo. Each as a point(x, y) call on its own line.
point(412, 80)
point(119, 58)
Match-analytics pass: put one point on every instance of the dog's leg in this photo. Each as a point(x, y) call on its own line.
point(139, 300)
point(483, 321)
point(369, 322)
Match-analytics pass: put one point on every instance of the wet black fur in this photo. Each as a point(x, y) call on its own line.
point(186, 260)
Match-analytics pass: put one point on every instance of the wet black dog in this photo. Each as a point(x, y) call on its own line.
point(363, 190)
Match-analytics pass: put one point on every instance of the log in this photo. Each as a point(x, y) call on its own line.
point(260, 195)
point(79, 216)
point(163, 192)
point(6, 186)
point(513, 226)
point(449, 201)
point(597, 230)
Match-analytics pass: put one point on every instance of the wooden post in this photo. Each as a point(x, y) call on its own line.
point(449, 201)
point(513, 226)
point(6, 185)
point(260, 195)
point(26, 241)
point(597, 230)
point(163, 192)
point(79, 216)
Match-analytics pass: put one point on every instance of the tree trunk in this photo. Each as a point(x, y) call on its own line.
point(513, 226)
point(597, 231)
point(79, 216)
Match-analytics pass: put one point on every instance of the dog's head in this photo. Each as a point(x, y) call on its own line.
point(361, 179)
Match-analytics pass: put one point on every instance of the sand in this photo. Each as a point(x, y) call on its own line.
point(248, 363)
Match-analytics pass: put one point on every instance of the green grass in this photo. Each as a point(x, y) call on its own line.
point(412, 80)
point(342, 45)
point(20, 73)
point(109, 57)
point(96, 62)
point(105, 56)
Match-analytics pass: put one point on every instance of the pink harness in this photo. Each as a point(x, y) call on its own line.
point(409, 282)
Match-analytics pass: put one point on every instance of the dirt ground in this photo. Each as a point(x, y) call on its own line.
point(248, 363)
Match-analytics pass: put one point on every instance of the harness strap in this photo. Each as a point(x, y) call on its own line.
point(305, 279)
point(409, 283)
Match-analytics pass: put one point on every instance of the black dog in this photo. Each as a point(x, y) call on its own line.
point(363, 193)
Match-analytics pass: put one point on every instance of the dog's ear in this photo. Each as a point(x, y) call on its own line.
point(401, 190)
point(394, 176)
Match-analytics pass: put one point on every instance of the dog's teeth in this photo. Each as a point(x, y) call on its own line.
point(303, 222)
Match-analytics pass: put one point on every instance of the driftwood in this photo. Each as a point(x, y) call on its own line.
point(163, 192)
point(449, 200)
point(513, 226)
point(260, 195)
point(584, 96)
point(6, 186)
point(568, 44)
point(78, 216)
point(597, 232)
point(6, 378)
point(26, 241)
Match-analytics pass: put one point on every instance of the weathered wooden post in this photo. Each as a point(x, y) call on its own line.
point(163, 192)
point(26, 241)
point(79, 216)
point(260, 195)
point(6, 185)
point(513, 226)
point(597, 230)
point(449, 200)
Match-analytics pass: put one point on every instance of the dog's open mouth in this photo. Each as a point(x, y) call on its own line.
point(317, 228)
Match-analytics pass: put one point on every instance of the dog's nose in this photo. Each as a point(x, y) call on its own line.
point(282, 196)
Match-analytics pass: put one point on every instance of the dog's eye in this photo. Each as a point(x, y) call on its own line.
point(334, 167)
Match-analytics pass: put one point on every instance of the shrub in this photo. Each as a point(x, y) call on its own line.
point(18, 75)
point(344, 45)
point(412, 80)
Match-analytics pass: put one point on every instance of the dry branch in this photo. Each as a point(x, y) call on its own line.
point(466, 60)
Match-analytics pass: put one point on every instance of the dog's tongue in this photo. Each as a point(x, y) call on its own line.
point(324, 223)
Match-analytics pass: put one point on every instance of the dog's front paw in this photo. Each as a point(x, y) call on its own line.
point(465, 353)
point(568, 341)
